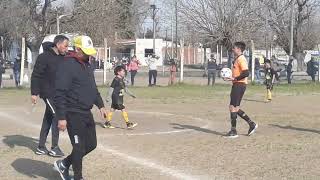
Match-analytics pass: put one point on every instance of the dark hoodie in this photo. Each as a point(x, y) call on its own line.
point(76, 89)
point(44, 72)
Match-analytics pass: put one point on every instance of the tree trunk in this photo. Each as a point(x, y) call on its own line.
point(300, 61)
point(229, 58)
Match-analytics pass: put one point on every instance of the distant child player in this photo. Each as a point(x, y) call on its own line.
point(240, 73)
point(270, 78)
point(116, 92)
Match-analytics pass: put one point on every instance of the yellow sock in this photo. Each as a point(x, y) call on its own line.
point(269, 95)
point(109, 116)
point(125, 116)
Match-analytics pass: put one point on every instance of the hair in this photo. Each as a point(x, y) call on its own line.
point(59, 39)
point(240, 45)
point(118, 69)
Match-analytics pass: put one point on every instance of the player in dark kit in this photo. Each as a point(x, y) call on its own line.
point(116, 92)
point(270, 77)
point(240, 73)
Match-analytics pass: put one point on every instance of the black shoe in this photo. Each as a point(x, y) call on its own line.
point(42, 151)
point(232, 134)
point(108, 125)
point(131, 125)
point(63, 171)
point(252, 129)
point(56, 152)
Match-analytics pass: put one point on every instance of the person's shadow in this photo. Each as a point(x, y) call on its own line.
point(35, 169)
point(295, 128)
point(20, 140)
point(181, 126)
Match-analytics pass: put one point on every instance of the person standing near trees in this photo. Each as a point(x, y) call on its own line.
point(133, 68)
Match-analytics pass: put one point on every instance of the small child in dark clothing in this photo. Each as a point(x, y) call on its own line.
point(270, 77)
point(115, 95)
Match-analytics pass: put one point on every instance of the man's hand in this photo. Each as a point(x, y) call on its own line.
point(103, 112)
point(229, 79)
point(34, 99)
point(62, 125)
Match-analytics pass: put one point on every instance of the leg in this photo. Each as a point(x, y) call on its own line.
point(213, 78)
point(155, 77)
point(150, 77)
point(54, 124)
point(209, 78)
point(125, 116)
point(77, 132)
point(46, 124)
point(107, 124)
point(91, 136)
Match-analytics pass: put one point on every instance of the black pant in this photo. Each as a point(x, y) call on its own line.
point(313, 77)
point(82, 134)
point(237, 92)
point(153, 74)
point(0, 78)
point(133, 75)
point(49, 121)
point(289, 77)
point(211, 74)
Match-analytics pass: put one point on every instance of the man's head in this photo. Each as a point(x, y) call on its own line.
point(268, 65)
point(238, 48)
point(120, 71)
point(84, 47)
point(61, 42)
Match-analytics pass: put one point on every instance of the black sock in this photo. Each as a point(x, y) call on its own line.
point(244, 116)
point(233, 116)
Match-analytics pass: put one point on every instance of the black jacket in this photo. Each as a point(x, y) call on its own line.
point(76, 89)
point(44, 72)
point(212, 65)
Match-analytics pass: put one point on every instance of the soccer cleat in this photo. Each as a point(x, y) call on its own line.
point(131, 125)
point(63, 171)
point(108, 125)
point(56, 152)
point(232, 134)
point(252, 129)
point(41, 151)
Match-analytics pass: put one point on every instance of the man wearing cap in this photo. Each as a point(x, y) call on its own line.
point(76, 93)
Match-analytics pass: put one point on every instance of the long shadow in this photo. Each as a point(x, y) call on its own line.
point(35, 169)
point(20, 140)
point(181, 126)
point(254, 100)
point(295, 128)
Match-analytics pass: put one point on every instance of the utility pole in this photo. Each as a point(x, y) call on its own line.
point(153, 6)
point(172, 42)
point(176, 7)
point(291, 31)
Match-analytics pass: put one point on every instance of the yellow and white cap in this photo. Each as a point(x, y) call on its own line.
point(85, 44)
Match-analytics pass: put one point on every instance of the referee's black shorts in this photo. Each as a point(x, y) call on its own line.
point(237, 92)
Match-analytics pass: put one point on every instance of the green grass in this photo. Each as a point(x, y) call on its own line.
point(187, 91)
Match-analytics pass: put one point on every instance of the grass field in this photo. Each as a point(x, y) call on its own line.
point(180, 136)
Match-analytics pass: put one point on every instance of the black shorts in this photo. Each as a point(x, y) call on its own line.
point(118, 106)
point(237, 93)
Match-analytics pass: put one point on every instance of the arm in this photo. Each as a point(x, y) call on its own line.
point(63, 83)
point(126, 89)
point(243, 75)
point(37, 75)
point(99, 102)
point(109, 95)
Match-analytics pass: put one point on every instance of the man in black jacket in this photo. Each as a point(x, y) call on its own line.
point(212, 70)
point(43, 85)
point(76, 93)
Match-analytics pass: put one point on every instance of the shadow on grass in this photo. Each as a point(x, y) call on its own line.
point(295, 128)
point(181, 126)
point(35, 169)
point(22, 141)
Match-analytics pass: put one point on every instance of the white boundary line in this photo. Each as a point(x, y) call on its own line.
point(143, 162)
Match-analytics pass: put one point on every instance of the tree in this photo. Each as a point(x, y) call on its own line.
point(278, 17)
point(223, 21)
point(30, 19)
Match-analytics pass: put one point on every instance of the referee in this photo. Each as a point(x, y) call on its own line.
point(240, 73)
